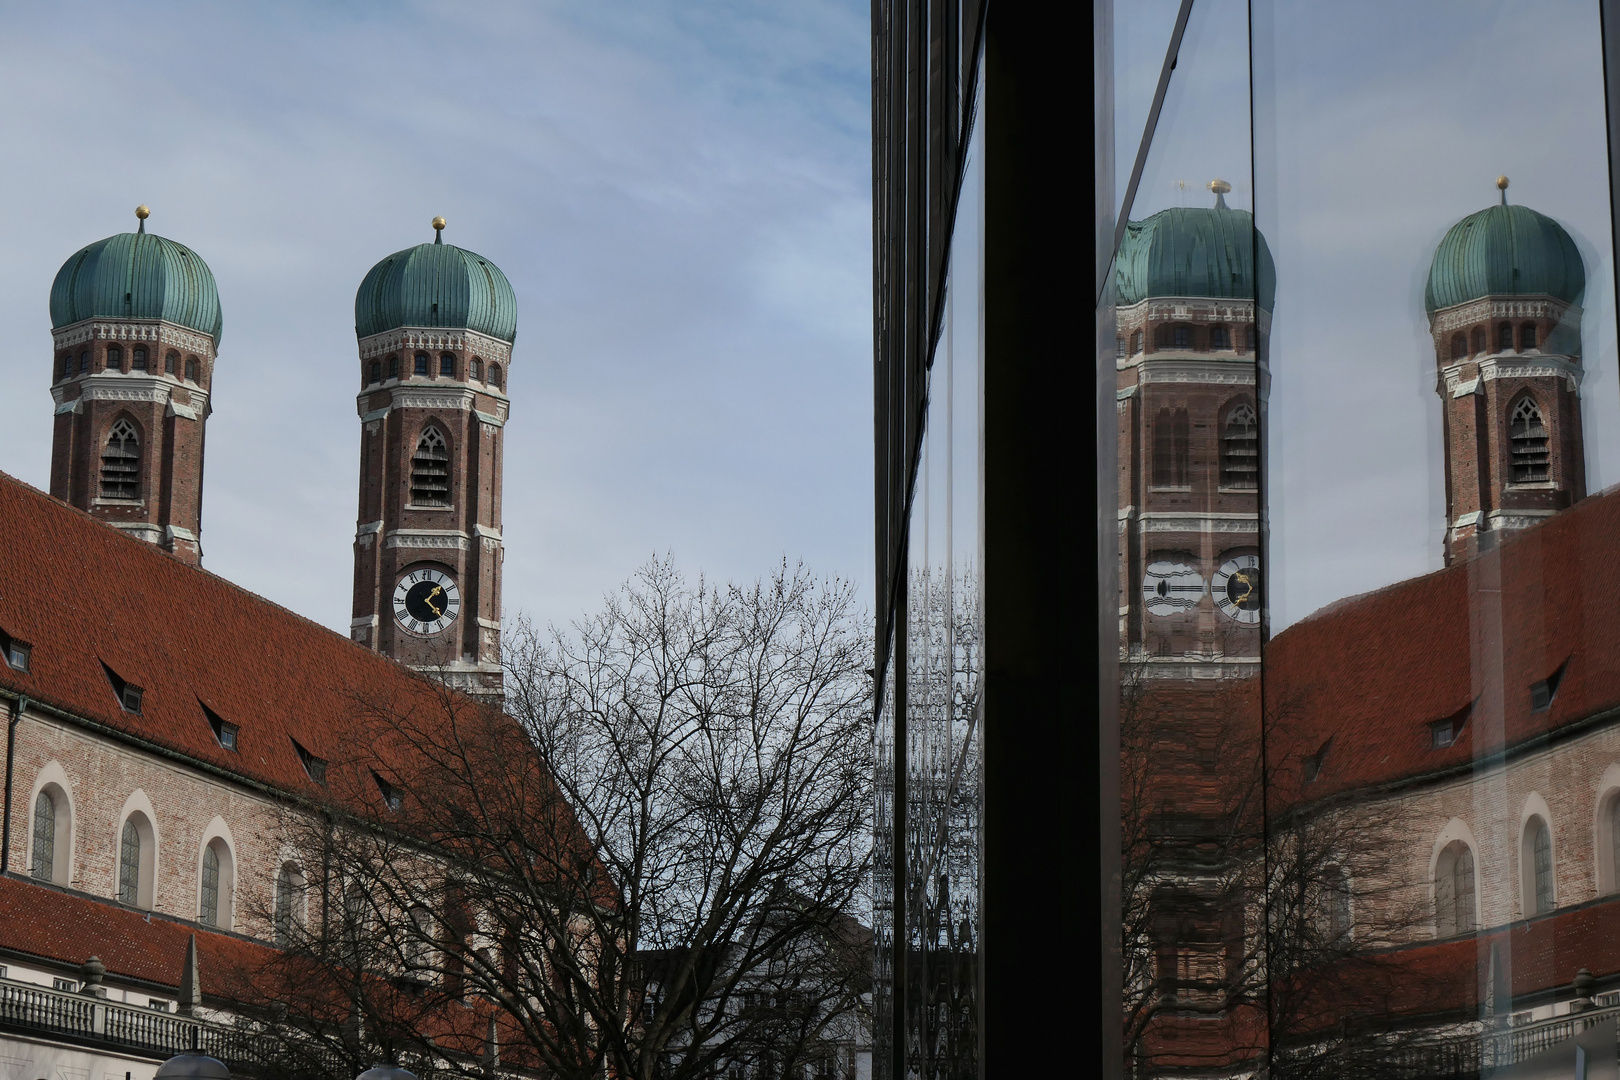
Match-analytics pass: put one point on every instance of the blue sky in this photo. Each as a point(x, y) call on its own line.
point(1378, 125)
point(679, 193)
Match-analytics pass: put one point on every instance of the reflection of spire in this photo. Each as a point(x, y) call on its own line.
point(1220, 188)
point(1502, 186)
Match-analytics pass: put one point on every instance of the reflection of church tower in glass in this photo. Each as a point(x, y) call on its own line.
point(135, 319)
point(435, 325)
point(1192, 387)
point(1504, 298)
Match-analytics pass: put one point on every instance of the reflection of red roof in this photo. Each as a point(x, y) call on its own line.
point(1373, 672)
point(84, 595)
point(67, 929)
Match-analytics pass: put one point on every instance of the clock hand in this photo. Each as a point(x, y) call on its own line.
point(428, 600)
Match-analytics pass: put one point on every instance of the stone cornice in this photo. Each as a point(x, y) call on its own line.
point(1486, 308)
point(424, 337)
point(453, 396)
point(1512, 366)
point(1192, 309)
point(157, 331)
point(429, 539)
point(1178, 522)
point(1217, 371)
point(153, 389)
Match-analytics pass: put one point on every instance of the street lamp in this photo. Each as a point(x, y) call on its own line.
point(193, 1065)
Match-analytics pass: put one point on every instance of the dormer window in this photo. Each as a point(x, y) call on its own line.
point(224, 731)
point(16, 653)
point(128, 694)
point(1444, 733)
point(393, 797)
point(314, 766)
point(1543, 692)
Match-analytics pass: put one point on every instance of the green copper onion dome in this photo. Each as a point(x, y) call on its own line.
point(1196, 251)
point(1505, 251)
point(137, 275)
point(436, 285)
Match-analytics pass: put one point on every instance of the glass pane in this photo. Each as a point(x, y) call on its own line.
point(1142, 31)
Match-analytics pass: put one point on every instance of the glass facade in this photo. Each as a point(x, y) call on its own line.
point(1360, 311)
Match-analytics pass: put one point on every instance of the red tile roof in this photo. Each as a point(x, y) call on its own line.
point(84, 595)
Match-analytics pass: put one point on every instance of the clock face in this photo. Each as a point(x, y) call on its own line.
point(426, 601)
point(1237, 588)
point(1171, 588)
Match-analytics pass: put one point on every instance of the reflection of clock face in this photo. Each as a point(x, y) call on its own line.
point(426, 601)
point(1171, 588)
point(1237, 588)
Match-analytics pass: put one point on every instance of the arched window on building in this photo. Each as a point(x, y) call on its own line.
point(44, 861)
point(1181, 337)
point(1171, 446)
point(1536, 867)
point(137, 857)
point(1459, 346)
point(475, 369)
point(1504, 337)
point(214, 896)
point(447, 366)
point(171, 361)
point(1161, 337)
point(1119, 348)
point(1253, 338)
point(1219, 338)
point(84, 361)
point(1336, 904)
point(1240, 449)
point(418, 944)
point(1480, 339)
point(1528, 443)
point(495, 376)
point(422, 359)
point(289, 911)
point(137, 359)
point(393, 367)
point(430, 470)
point(121, 462)
point(191, 369)
point(1136, 342)
point(374, 376)
point(67, 366)
point(1454, 891)
point(115, 358)
point(1612, 819)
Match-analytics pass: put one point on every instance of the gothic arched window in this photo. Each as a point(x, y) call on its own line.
point(1528, 443)
point(430, 470)
point(1527, 336)
point(170, 361)
point(1336, 904)
point(136, 861)
point(1459, 346)
point(1504, 338)
point(1218, 338)
point(1614, 844)
point(208, 908)
point(137, 361)
point(1240, 449)
point(115, 358)
point(1171, 443)
point(44, 837)
point(1454, 890)
point(1479, 339)
point(289, 912)
point(1537, 855)
point(422, 363)
point(121, 463)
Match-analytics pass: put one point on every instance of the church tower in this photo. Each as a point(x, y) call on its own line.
point(435, 325)
point(1194, 292)
point(135, 321)
point(1504, 303)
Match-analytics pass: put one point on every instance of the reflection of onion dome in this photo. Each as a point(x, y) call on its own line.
point(436, 285)
point(137, 275)
point(1195, 251)
point(1505, 251)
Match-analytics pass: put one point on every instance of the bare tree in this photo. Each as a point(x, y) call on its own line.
point(653, 863)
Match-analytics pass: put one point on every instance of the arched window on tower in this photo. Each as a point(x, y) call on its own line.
point(1459, 346)
point(1253, 338)
point(121, 463)
point(137, 359)
point(447, 366)
point(376, 372)
point(1527, 336)
point(1181, 337)
point(84, 361)
point(1119, 348)
point(495, 376)
point(1240, 449)
point(1528, 443)
point(171, 360)
point(1161, 338)
point(1136, 343)
point(475, 369)
point(393, 367)
point(1480, 339)
point(1219, 338)
point(191, 369)
point(1504, 338)
point(1171, 440)
point(430, 470)
point(115, 358)
point(1454, 891)
point(422, 359)
point(67, 365)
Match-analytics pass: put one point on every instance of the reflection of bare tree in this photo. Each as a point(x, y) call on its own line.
point(1250, 914)
point(944, 665)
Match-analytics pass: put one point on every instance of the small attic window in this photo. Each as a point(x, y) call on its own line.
point(128, 695)
point(224, 730)
point(394, 797)
point(1443, 733)
point(314, 766)
point(1312, 767)
point(16, 652)
point(1543, 692)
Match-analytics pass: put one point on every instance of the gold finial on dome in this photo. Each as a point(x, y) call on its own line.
point(1502, 186)
point(1220, 188)
point(438, 230)
point(142, 212)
